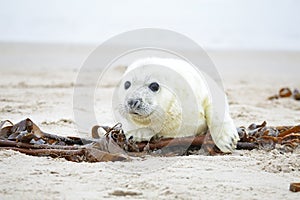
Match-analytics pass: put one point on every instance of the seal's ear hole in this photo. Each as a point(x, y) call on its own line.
point(154, 87)
point(127, 85)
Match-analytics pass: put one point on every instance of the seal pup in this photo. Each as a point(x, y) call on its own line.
point(169, 98)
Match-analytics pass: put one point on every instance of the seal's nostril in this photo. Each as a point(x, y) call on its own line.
point(134, 103)
point(130, 103)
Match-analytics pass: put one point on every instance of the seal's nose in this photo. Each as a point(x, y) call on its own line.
point(134, 103)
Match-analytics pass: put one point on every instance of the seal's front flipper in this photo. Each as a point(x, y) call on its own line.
point(221, 127)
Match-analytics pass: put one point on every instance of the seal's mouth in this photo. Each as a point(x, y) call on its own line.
point(137, 114)
point(140, 115)
point(140, 119)
point(134, 113)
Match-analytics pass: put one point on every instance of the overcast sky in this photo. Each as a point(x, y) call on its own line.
point(215, 24)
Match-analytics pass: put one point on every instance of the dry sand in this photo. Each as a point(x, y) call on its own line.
point(46, 96)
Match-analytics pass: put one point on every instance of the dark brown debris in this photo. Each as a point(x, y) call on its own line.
point(286, 93)
point(26, 137)
point(295, 187)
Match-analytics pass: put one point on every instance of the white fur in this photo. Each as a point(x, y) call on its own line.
point(192, 87)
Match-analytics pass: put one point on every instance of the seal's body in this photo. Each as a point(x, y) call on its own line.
point(169, 98)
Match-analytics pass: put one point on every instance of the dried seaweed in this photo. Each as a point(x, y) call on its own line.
point(286, 93)
point(26, 137)
point(256, 136)
point(266, 137)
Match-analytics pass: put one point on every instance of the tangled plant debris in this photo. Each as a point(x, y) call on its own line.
point(26, 137)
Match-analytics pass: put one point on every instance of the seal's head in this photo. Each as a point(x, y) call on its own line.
point(141, 101)
point(146, 102)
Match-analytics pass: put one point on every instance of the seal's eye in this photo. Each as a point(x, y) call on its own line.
point(127, 84)
point(154, 87)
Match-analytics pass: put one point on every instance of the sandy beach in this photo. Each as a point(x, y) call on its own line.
point(38, 82)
